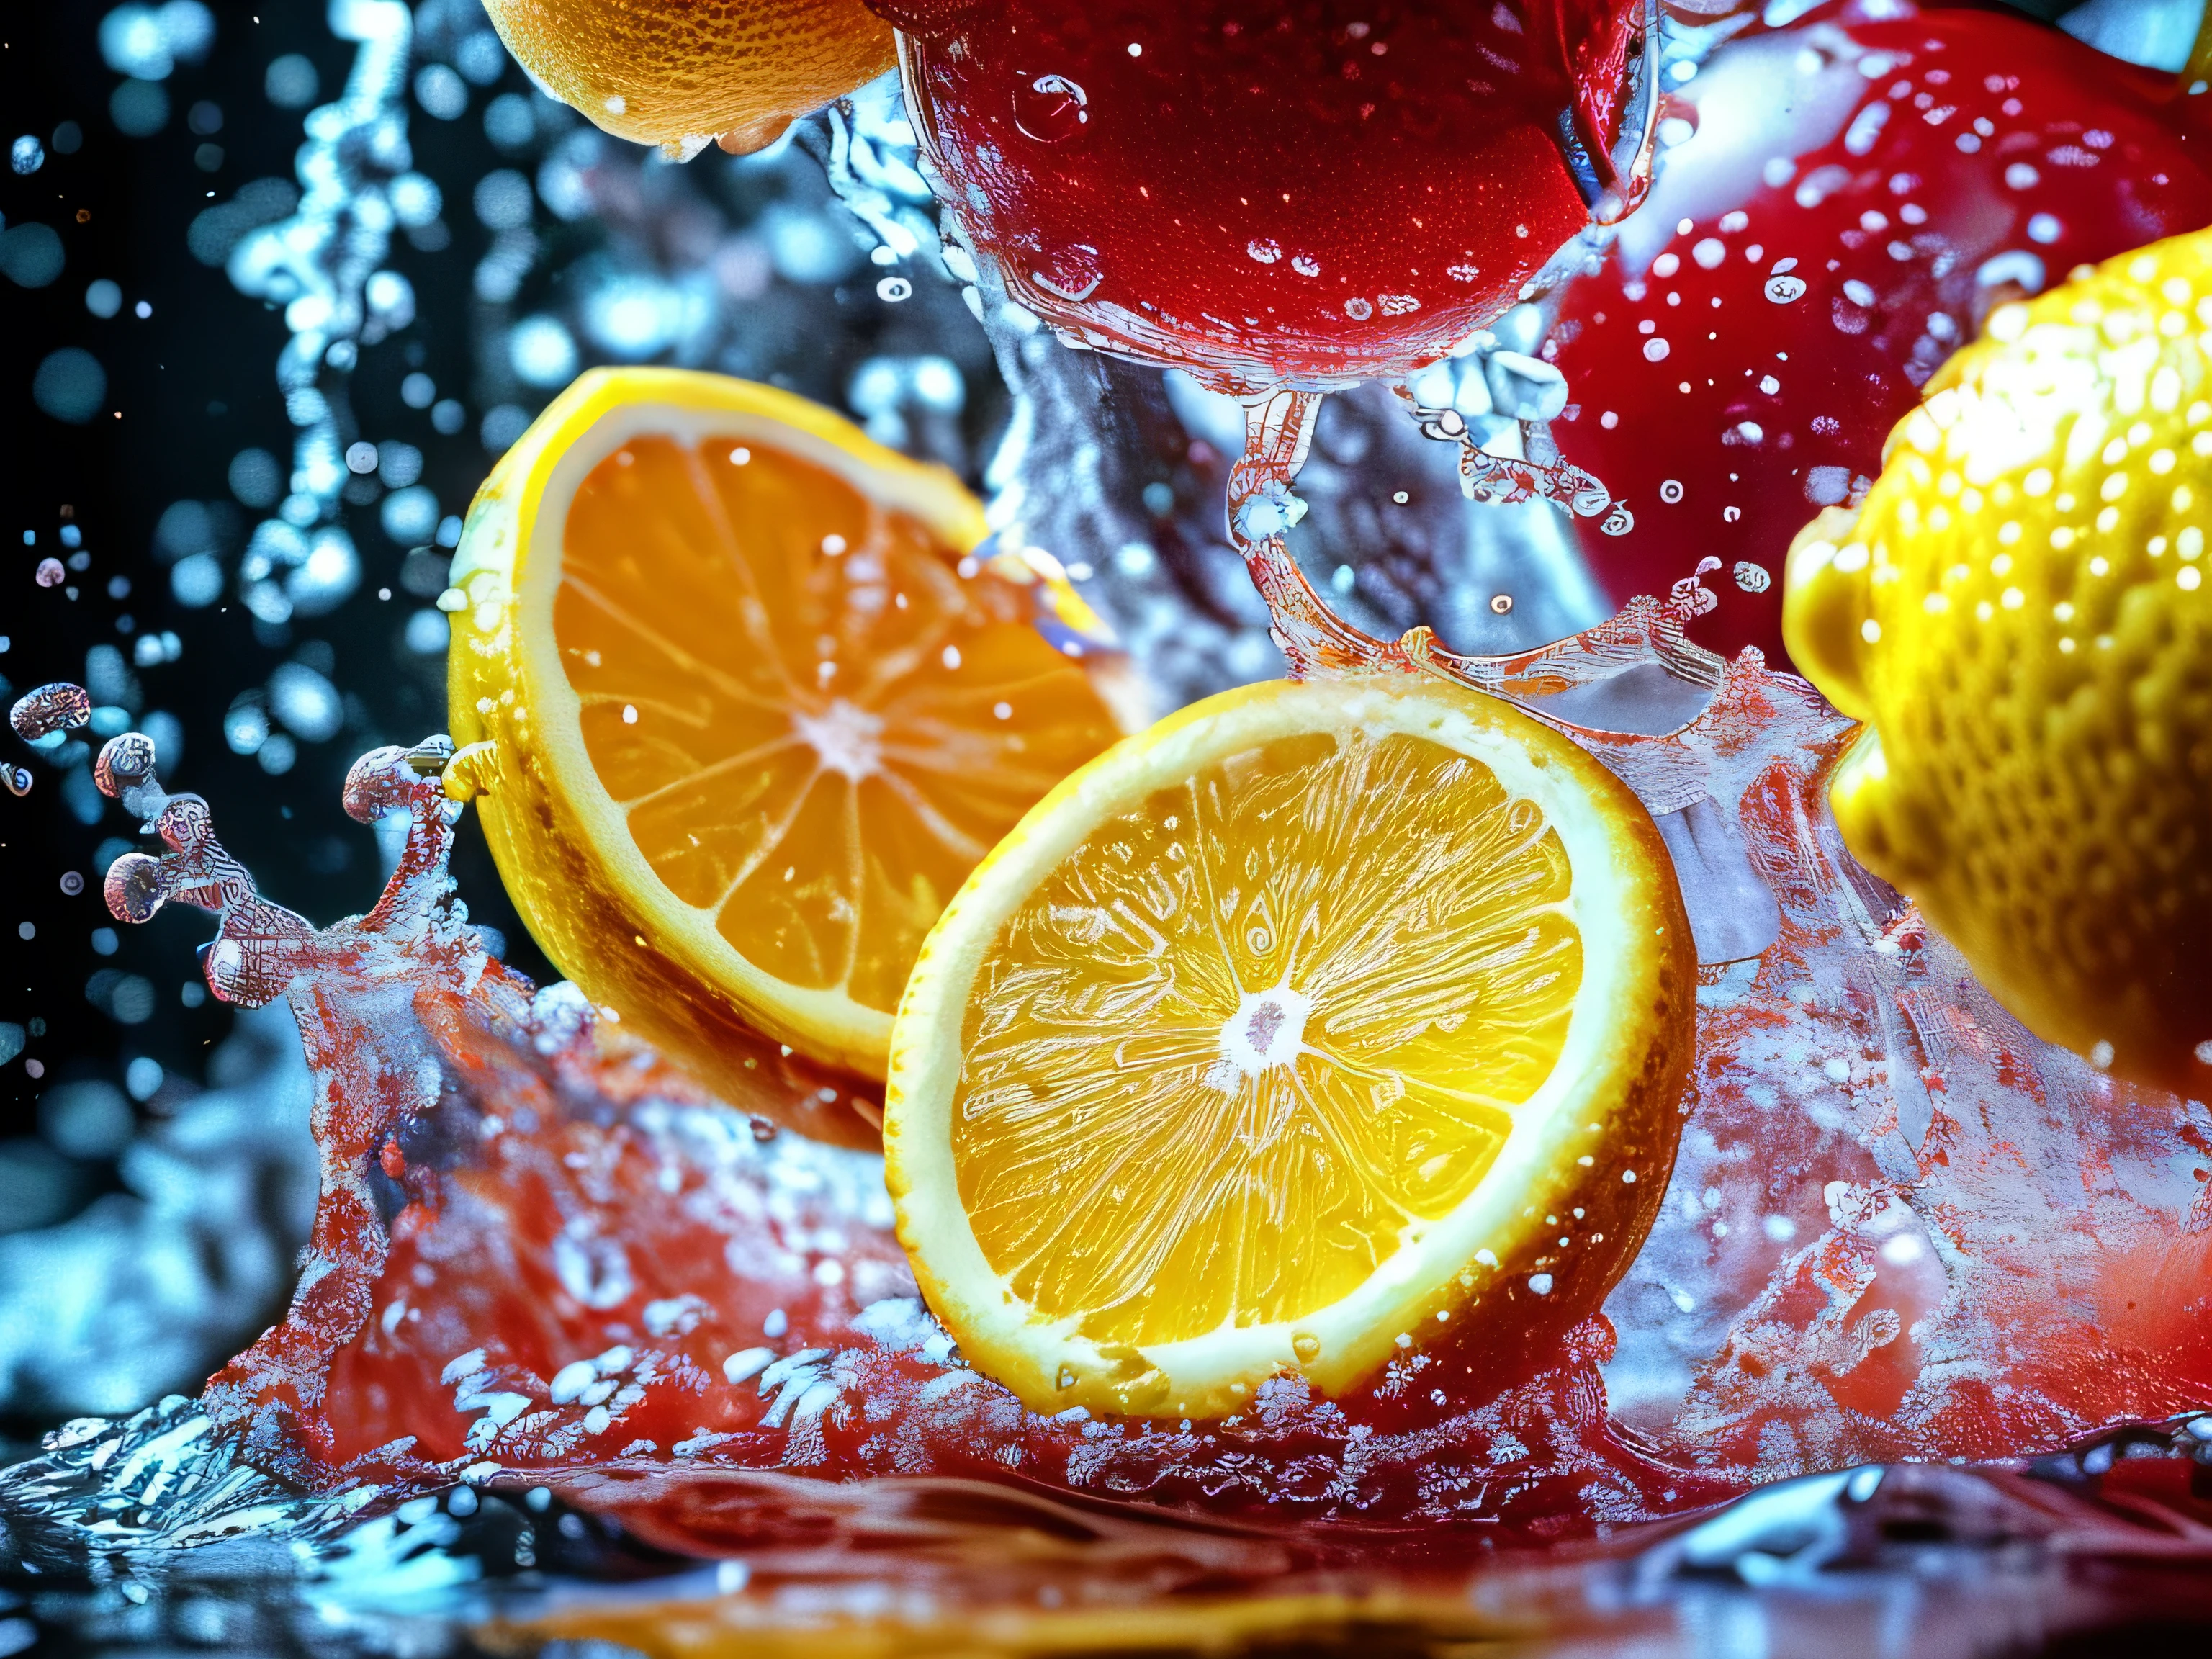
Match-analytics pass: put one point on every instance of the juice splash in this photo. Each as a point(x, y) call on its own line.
point(1900, 1228)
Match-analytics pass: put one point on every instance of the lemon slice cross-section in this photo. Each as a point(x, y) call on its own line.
point(1317, 1021)
point(753, 710)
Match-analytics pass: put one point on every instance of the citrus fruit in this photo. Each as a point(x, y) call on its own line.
point(2019, 615)
point(681, 73)
point(1318, 1021)
point(751, 713)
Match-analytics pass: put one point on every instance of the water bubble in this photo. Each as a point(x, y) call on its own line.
point(17, 779)
point(1670, 490)
point(142, 1077)
point(103, 298)
point(1266, 251)
point(30, 254)
point(1752, 578)
point(542, 352)
point(502, 200)
point(1051, 108)
point(255, 478)
point(89, 1119)
point(133, 888)
point(1502, 604)
point(50, 709)
point(361, 458)
point(1358, 309)
point(440, 91)
point(50, 573)
point(892, 290)
point(123, 761)
point(1784, 289)
point(27, 155)
point(139, 108)
point(305, 702)
point(70, 384)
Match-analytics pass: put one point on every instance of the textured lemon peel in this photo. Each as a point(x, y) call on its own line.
point(2018, 612)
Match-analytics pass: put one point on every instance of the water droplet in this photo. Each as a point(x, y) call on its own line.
point(1782, 290)
point(1502, 604)
point(50, 572)
point(1265, 252)
point(1670, 491)
point(1051, 108)
point(1308, 1349)
point(124, 761)
point(133, 888)
point(1358, 309)
point(72, 883)
point(892, 290)
point(18, 779)
point(1073, 273)
point(1067, 1378)
point(49, 709)
point(1305, 264)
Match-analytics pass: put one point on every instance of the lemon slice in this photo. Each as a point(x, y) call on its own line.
point(1316, 1022)
point(748, 711)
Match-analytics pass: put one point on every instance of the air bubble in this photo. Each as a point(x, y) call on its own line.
point(892, 290)
point(1784, 289)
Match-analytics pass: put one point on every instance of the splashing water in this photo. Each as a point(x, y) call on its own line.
point(1899, 1228)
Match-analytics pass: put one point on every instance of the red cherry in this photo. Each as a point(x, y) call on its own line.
point(1305, 197)
point(1857, 196)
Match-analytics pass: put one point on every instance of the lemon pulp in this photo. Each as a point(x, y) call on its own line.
point(1254, 1031)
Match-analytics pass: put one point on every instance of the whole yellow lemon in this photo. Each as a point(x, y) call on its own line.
point(2021, 614)
point(681, 73)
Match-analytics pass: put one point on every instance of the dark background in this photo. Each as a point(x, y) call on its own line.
point(188, 387)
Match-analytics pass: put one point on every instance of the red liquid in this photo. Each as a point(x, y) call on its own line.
point(1983, 136)
point(1305, 194)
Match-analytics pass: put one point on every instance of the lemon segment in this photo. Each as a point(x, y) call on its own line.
point(1318, 1022)
point(2019, 613)
point(742, 713)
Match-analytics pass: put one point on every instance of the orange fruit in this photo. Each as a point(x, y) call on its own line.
point(742, 712)
point(1317, 1023)
point(680, 73)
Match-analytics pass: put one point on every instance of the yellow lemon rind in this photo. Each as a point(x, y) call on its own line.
point(590, 898)
point(1610, 1099)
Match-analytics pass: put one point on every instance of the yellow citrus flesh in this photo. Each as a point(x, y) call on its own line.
point(2020, 612)
point(681, 73)
point(752, 715)
point(1315, 1021)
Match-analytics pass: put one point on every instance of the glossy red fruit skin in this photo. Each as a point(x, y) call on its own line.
point(1730, 468)
point(1306, 194)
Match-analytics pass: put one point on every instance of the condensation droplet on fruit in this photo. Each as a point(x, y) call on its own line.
point(1502, 604)
point(1656, 351)
point(1305, 264)
point(1265, 252)
point(1051, 108)
point(1782, 290)
point(1308, 1349)
point(1358, 309)
point(1670, 490)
